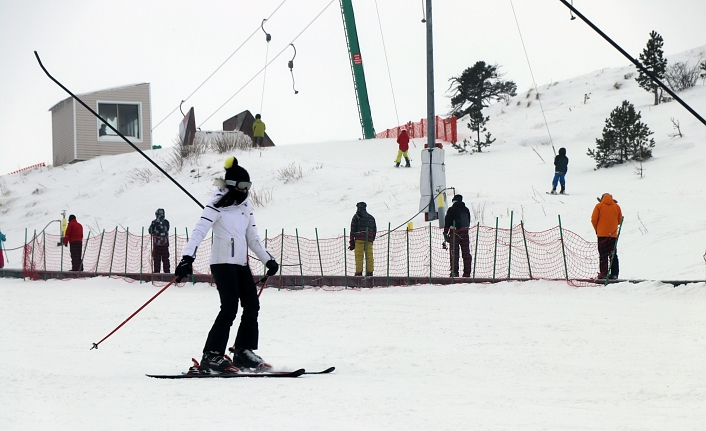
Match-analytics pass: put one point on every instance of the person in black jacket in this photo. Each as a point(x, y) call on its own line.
point(456, 225)
point(363, 232)
point(561, 165)
point(159, 229)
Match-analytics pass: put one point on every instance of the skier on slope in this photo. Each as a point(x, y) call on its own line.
point(159, 229)
point(403, 142)
point(230, 215)
point(561, 165)
point(456, 225)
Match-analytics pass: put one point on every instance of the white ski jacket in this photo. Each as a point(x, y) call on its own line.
point(234, 230)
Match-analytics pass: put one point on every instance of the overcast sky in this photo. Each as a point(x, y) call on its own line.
point(175, 45)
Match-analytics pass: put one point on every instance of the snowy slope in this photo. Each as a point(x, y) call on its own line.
point(509, 356)
point(663, 237)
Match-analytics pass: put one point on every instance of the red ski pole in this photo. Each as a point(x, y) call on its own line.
point(264, 282)
point(95, 345)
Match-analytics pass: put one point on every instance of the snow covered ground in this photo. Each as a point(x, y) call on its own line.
point(530, 356)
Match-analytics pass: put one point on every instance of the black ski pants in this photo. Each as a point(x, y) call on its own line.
point(606, 245)
point(160, 257)
point(234, 282)
point(460, 240)
point(75, 248)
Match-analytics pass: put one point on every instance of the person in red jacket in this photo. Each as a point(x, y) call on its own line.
point(403, 141)
point(73, 237)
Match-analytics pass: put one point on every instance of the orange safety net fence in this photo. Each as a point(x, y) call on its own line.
point(419, 254)
point(445, 129)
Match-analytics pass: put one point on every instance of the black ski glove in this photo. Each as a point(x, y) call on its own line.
point(351, 244)
point(184, 268)
point(272, 267)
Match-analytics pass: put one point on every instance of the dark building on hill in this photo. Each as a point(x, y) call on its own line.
point(243, 122)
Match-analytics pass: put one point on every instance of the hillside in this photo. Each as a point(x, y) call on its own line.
point(663, 236)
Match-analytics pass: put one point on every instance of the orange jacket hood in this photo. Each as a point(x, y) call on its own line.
point(606, 217)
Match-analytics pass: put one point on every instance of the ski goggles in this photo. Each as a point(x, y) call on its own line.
point(240, 185)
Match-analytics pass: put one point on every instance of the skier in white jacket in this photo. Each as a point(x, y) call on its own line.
point(229, 214)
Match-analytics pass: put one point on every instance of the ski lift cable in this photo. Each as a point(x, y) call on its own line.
point(270, 62)
point(389, 75)
point(546, 124)
point(219, 67)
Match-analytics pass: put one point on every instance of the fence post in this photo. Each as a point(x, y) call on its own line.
point(281, 261)
point(100, 248)
point(34, 245)
point(142, 245)
point(345, 259)
point(175, 243)
point(61, 264)
point(24, 256)
point(495, 252)
point(563, 251)
point(524, 237)
point(475, 253)
point(299, 252)
point(127, 242)
point(321, 266)
point(388, 252)
point(509, 261)
point(44, 248)
point(407, 231)
point(112, 254)
point(430, 266)
point(83, 255)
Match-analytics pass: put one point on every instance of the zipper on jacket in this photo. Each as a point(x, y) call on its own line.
point(232, 248)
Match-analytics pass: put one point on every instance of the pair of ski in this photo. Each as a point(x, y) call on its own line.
point(195, 373)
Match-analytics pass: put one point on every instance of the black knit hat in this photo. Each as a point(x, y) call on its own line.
point(361, 205)
point(234, 172)
point(457, 198)
point(72, 217)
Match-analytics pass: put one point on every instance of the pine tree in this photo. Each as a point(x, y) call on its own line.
point(477, 86)
point(652, 58)
point(624, 138)
point(477, 124)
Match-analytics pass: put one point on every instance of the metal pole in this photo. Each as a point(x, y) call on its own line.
point(495, 252)
point(44, 252)
point(509, 261)
point(524, 237)
point(281, 261)
point(563, 251)
point(83, 255)
point(407, 255)
point(475, 253)
point(388, 253)
point(429, 252)
point(24, 257)
point(100, 248)
point(299, 252)
point(112, 254)
point(318, 248)
point(345, 259)
point(431, 113)
point(127, 243)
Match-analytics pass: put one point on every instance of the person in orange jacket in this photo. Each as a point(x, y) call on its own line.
point(403, 142)
point(606, 219)
point(73, 237)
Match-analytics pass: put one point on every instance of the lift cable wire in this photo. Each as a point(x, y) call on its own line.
point(389, 75)
point(219, 67)
point(268, 38)
point(270, 62)
point(532, 74)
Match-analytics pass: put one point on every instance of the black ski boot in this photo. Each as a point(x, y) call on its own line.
point(407, 165)
point(246, 358)
point(553, 191)
point(563, 189)
point(216, 362)
point(368, 274)
point(397, 164)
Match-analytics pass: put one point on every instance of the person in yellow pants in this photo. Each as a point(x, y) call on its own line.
point(363, 230)
point(403, 142)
